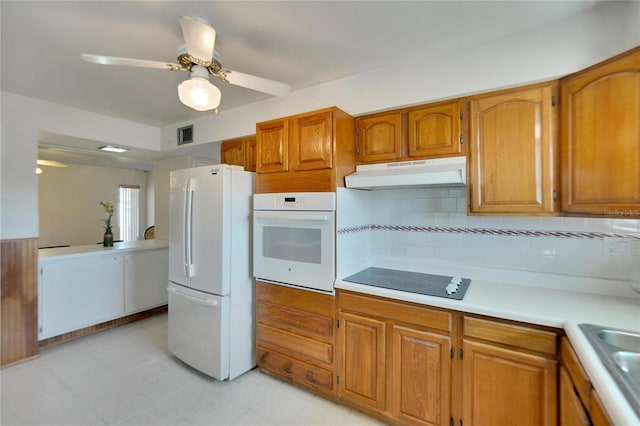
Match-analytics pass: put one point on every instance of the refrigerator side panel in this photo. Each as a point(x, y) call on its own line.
point(208, 255)
point(178, 185)
point(242, 335)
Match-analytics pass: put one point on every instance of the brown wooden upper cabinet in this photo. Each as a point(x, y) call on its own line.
point(432, 130)
point(513, 151)
point(380, 137)
point(239, 152)
point(305, 152)
point(601, 138)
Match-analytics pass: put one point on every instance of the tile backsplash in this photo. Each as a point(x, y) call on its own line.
point(431, 225)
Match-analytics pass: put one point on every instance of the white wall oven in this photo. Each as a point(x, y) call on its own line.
point(294, 239)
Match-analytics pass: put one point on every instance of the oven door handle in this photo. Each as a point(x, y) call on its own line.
point(290, 216)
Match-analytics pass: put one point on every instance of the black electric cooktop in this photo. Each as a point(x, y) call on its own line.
point(413, 282)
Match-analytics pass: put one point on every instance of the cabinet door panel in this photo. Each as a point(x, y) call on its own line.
point(232, 152)
point(272, 148)
point(250, 154)
point(506, 387)
point(81, 292)
point(311, 142)
point(380, 138)
point(601, 153)
point(434, 131)
point(363, 360)
point(420, 380)
point(512, 152)
point(145, 278)
point(572, 413)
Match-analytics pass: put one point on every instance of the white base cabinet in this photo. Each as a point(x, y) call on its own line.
point(145, 280)
point(78, 292)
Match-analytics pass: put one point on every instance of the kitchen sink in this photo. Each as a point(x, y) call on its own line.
point(629, 362)
point(619, 351)
point(621, 339)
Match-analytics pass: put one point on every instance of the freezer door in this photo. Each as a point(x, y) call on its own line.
point(199, 330)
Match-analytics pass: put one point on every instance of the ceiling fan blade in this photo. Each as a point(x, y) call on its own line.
point(199, 36)
point(259, 84)
point(112, 60)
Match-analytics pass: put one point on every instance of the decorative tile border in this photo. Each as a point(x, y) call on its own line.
point(486, 231)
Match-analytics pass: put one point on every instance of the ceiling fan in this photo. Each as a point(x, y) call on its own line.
point(198, 57)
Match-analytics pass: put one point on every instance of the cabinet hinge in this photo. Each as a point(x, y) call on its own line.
point(461, 353)
point(460, 422)
point(450, 421)
point(461, 115)
point(553, 101)
point(337, 380)
point(555, 195)
point(452, 353)
point(337, 323)
point(461, 139)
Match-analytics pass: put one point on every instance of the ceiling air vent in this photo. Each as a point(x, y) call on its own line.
point(185, 135)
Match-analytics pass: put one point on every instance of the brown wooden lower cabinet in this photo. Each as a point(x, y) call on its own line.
point(395, 359)
point(572, 412)
point(579, 402)
point(406, 363)
point(295, 336)
point(507, 387)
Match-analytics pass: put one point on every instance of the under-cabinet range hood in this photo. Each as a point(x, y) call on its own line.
point(450, 171)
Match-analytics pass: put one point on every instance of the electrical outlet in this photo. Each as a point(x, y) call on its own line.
point(621, 247)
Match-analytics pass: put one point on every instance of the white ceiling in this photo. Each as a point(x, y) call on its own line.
point(297, 42)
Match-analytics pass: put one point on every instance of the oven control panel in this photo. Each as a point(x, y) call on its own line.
point(305, 201)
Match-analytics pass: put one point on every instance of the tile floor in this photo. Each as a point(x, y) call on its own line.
point(126, 376)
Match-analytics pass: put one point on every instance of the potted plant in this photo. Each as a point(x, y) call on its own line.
point(108, 231)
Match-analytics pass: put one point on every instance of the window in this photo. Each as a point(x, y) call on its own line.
point(129, 212)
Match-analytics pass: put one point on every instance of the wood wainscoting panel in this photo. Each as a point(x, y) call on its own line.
point(19, 300)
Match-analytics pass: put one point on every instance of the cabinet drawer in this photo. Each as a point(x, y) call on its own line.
point(295, 345)
point(295, 370)
point(396, 311)
point(571, 362)
point(294, 320)
point(511, 334)
point(303, 300)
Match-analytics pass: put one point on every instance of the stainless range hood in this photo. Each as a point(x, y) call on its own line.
point(450, 171)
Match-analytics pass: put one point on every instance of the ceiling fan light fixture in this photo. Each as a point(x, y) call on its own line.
point(198, 93)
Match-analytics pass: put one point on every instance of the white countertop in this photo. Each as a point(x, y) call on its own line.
point(99, 249)
point(548, 307)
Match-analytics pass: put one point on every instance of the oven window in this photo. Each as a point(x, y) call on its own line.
point(297, 244)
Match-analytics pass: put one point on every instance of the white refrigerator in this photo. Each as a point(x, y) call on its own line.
point(211, 287)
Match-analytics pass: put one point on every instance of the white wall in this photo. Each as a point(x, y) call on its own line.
point(547, 53)
point(69, 210)
point(21, 119)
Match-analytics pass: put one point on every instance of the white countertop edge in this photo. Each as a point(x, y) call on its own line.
point(98, 250)
point(615, 403)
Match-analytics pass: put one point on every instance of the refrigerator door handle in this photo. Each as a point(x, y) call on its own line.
point(188, 229)
point(201, 301)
